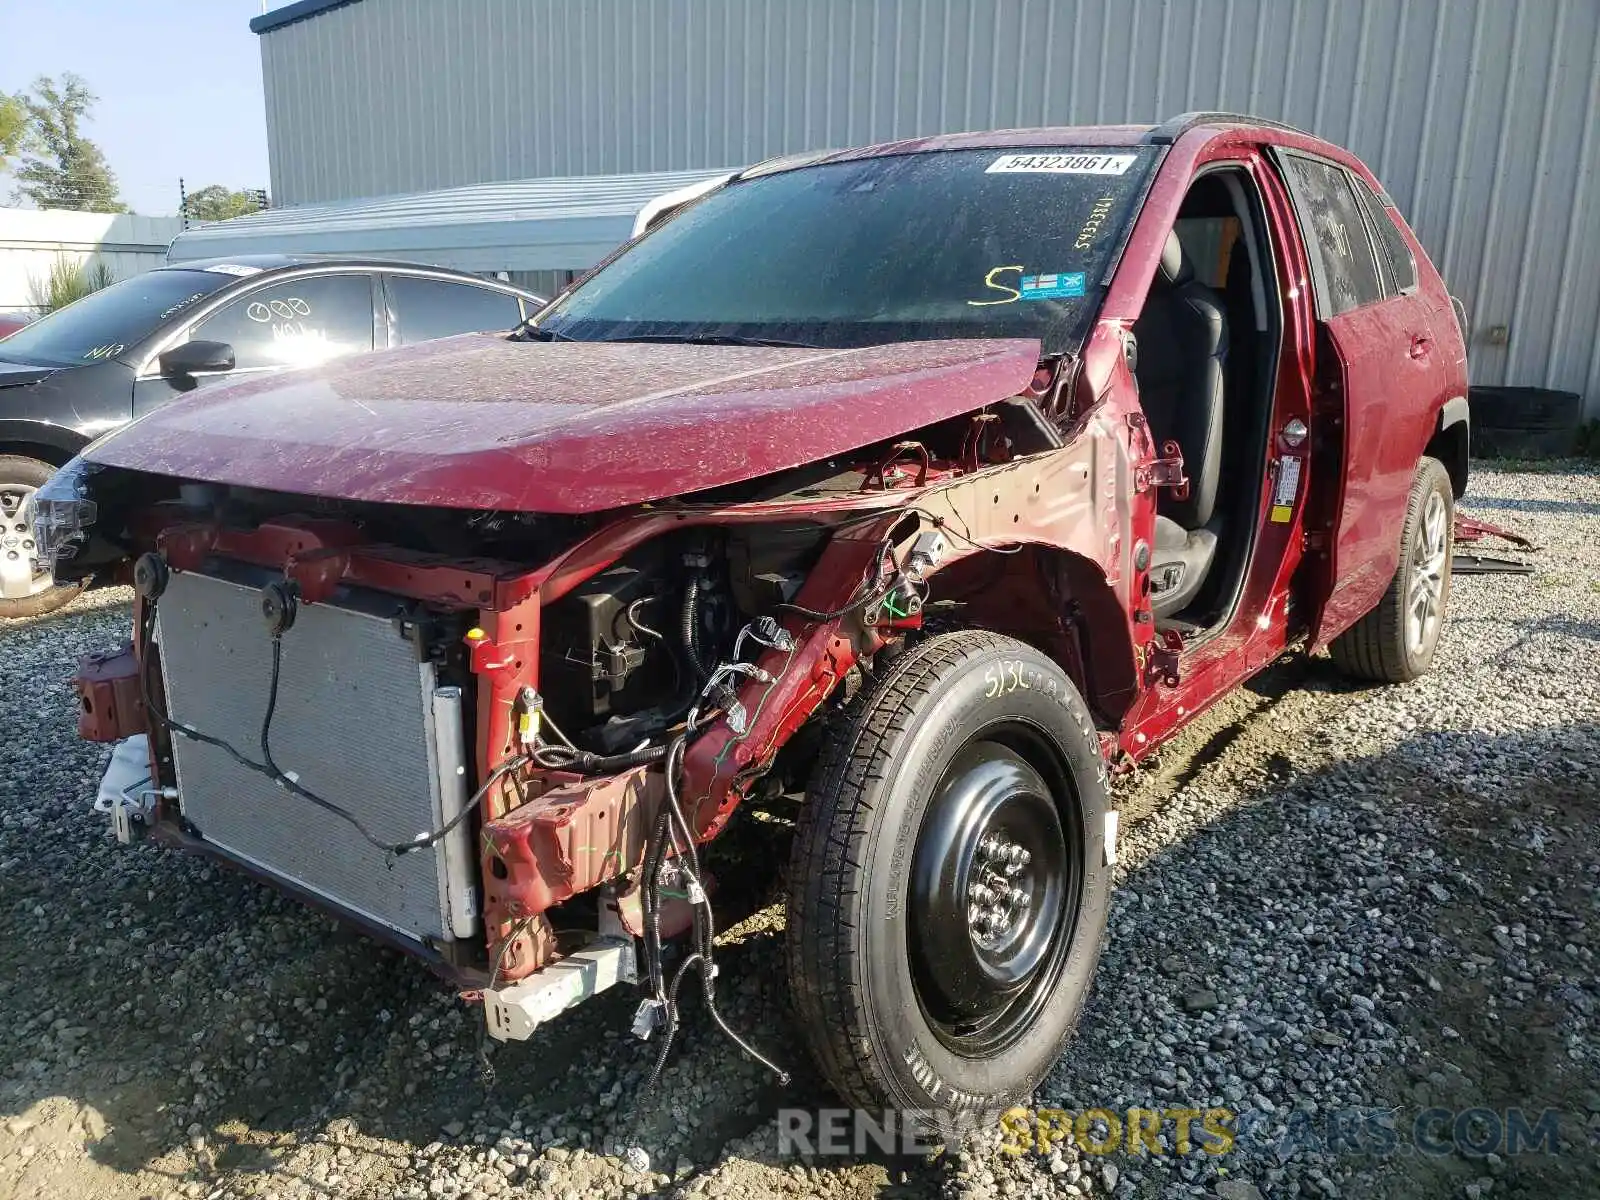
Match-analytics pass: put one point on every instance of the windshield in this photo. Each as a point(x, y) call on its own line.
point(105, 323)
point(946, 244)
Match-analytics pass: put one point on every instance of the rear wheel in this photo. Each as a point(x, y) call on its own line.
point(948, 887)
point(26, 589)
point(1395, 642)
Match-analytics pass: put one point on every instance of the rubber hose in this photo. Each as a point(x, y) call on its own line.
point(609, 764)
point(691, 631)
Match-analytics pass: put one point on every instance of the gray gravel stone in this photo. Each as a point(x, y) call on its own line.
point(1311, 872)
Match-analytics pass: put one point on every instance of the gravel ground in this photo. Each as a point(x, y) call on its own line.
point(1331, 899)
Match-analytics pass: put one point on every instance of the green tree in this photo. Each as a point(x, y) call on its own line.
point(217, 203)
point(62, 168)
point(13, 128)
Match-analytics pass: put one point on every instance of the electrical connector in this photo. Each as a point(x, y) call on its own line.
point(530, 716)
point(926, 552)
point(764, 631)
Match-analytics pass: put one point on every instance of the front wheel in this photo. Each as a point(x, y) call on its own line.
point(948, 887)
point(26, 588)
point(1394, 643)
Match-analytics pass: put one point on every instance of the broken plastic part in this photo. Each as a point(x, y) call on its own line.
point(647, 1018)
point(63, 512)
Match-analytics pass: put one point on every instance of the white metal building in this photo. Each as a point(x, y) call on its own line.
point(1480, 116)
point(31, 240)
point(530, 227)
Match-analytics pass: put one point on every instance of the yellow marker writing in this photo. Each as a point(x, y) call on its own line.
point(989, 282)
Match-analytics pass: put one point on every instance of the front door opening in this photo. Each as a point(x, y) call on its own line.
point(1207, 352)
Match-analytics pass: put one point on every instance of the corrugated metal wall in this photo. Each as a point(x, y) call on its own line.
point(1479, 115)
point(32, 240)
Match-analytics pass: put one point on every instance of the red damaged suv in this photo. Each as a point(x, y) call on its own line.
point(916, 487)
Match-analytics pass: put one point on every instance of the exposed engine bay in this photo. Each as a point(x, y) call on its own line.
point(399, 715)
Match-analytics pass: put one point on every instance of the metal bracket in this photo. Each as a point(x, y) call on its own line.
point(1161, 663)
point(881, 470)
point(513, 1013)
point(1165, 471)
point(131, 815)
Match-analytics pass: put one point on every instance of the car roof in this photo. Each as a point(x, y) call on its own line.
point(266, 263)
point(1049, 135)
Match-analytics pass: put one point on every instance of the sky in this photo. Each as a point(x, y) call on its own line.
point(179, 83)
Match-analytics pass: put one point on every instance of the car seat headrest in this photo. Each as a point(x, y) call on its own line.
point(1175, 267)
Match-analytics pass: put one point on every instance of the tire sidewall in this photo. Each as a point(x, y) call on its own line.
point(923, 1073)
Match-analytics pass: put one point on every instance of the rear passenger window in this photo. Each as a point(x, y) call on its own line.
point(1344, 269)
point(1394, 254)
point(433, 308)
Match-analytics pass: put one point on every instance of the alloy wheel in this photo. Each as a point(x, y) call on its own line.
point(1430, 552)
point(20, 573)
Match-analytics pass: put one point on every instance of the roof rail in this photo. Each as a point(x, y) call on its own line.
point(1172, 128)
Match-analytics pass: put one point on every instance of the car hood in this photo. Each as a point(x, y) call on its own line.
point(480, 421)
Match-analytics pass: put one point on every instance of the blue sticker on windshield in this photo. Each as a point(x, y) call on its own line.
point(1052, 287)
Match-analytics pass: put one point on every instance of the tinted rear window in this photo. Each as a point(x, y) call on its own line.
point(1344, 270)
point(1394, 254)
point(967, 243)
point(105, 323)
point(433, 308)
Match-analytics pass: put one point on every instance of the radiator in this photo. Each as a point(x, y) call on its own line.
point(359, 721)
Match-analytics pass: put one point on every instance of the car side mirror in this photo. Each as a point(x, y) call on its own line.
point(192, 358)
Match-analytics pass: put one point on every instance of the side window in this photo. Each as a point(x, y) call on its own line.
point(433, 308)
point(296, 323)
point(1343, 268)
point(1394, 253)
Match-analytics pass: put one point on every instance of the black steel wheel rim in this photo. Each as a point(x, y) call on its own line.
point(995, 889)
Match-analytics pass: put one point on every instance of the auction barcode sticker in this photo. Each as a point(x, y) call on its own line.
point(1061, 164)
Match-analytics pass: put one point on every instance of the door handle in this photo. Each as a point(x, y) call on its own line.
point(1420, 346)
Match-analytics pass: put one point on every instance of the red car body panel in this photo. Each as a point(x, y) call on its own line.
point(562, 427)
point(482, 423)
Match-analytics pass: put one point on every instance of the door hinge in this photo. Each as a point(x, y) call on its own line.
point(1158, 470)
point(1161, 659)
point(1165, 471)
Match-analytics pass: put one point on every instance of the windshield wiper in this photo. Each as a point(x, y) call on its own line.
point(529, 332)
point(715, 339)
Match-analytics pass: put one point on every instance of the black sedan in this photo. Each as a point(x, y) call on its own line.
point(79, 372)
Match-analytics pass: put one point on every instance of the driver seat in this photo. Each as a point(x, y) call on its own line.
point(1182, 336)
